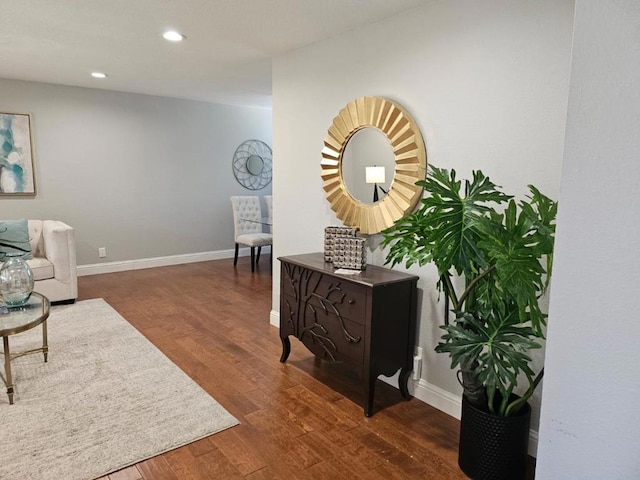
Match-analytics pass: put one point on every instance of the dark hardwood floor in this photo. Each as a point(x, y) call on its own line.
point(299, 420)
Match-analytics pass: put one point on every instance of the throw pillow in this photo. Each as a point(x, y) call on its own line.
point(14, 239)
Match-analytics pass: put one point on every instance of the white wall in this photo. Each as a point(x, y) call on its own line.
point(487, 83)
point(590, 419)
point(143, 176)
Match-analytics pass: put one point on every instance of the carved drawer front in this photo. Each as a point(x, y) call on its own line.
point(327, 293)
point(328, 336)
point(366, 320)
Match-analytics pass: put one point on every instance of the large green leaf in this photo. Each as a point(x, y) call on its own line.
point(516, 247)
point(444, 229)
point(499, 345)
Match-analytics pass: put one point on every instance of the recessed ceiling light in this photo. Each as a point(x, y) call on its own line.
point(173, 36)
point(98, 75)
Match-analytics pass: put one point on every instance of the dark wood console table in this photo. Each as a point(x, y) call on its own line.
point(367, 320)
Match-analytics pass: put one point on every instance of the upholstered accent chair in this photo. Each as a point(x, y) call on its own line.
point(248, 226)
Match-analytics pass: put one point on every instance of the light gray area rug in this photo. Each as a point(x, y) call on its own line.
point(106, 399)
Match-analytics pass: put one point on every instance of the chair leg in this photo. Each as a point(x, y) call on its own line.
point(235, 257)
point(258, 256)
point(253, 259)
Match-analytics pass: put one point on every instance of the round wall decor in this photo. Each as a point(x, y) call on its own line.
point(410, 155)
point(252, 164)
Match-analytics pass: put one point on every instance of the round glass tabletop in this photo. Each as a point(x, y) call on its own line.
point(25, 317)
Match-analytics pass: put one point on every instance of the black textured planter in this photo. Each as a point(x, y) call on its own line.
point(493, 447)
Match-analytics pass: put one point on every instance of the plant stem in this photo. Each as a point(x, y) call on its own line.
point(517, 405)
point(473, 283)
point(490, 396)
point(451, 293)
point(505, 401)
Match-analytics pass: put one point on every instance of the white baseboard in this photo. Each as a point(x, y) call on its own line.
point(274, 318)
point(430, 394)
point(533, 443)
point(139, 264)
point(437, 397)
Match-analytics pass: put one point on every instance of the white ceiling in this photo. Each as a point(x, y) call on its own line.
point(226, 57)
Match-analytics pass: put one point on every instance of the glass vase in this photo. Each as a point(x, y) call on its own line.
point(16, 282)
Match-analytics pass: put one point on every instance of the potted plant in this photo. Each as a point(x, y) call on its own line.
point(493, 257)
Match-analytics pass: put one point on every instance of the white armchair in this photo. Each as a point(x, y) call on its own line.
point(53, 247)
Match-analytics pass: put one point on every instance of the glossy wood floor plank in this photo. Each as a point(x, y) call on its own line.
point(299, 420)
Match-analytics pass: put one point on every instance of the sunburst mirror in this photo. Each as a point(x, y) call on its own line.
point(410, 164)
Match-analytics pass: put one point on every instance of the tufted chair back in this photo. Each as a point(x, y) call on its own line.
point(247, 208)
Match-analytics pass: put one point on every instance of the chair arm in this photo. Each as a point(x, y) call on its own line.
point(60, 249)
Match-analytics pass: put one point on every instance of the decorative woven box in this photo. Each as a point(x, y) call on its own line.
point(350, 252)
point(332, 235)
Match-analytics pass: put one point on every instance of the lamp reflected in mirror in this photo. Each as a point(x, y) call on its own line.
point(375, 175)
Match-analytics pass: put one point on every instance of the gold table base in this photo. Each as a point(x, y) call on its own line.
point(8, 356)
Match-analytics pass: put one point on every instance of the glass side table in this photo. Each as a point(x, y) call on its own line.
point(20, 319)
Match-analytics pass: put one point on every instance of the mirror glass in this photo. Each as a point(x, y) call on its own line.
point(255, 165)
point(368, 147)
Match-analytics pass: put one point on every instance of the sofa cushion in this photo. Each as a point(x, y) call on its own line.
point(41, 267)
point(14, 239)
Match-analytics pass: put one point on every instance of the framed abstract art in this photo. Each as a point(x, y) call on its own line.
point(16, 155)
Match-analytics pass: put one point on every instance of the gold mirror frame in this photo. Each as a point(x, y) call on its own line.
point(410, 163)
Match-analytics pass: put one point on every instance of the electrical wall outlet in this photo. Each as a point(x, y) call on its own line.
point(417, 364)
point(102, 252)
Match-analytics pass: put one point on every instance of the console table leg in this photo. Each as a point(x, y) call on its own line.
point(286, 348)
point(403, 379)
point(369, 390)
